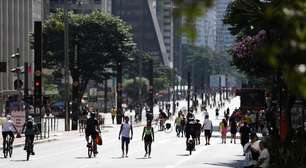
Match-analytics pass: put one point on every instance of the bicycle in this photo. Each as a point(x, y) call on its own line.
point(29, 148)
point(8, 148)
point(91, 148)
point(163, 126)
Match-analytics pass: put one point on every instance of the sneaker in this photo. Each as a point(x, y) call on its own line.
point(145, 155)
point(32, 153)
point(149, 156)
point(122, 156)
point(126, 156)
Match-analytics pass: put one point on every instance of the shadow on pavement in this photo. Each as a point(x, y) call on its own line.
point(144, 158)
point(22, 160)
point(234, 164)
point(119, 157)
point(82, 157)
point(183, 155)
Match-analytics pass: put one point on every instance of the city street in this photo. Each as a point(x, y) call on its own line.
point(168, 151)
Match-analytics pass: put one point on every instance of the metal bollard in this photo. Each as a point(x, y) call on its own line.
point(45, 129)
point(51, 124)
point(48, 127)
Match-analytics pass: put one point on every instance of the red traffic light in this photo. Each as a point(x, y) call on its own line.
point(37, 83)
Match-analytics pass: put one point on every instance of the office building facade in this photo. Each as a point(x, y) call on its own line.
point(16, 26)
point(166, 23)
point(141, 15)
point(223, 37)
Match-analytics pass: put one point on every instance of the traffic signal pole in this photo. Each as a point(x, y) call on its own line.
point(38, 73)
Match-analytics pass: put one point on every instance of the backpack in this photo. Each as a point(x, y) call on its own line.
point(29, 125)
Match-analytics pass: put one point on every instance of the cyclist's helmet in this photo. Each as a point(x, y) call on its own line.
point(8, 117)
point(30, 118)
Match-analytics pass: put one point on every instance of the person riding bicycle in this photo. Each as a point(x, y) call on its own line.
point(189, 128)
point(92, 127)
point(162, 119)
point(8, 129)
point(30, 129)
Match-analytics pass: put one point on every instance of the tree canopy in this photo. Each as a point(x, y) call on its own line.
point(283, 48)
point(101, 39)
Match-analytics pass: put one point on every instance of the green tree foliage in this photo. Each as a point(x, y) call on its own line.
point(132, 86)
point(201, 62)
point(190, 10)
point(284, 47)
point(101, 38)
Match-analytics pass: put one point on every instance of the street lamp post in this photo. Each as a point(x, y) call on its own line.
point(188, 91)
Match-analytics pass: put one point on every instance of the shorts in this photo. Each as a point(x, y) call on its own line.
point(92, 134)
point(126, 140)
point(207, 133)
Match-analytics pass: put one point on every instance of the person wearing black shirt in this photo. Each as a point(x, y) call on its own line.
point(244, 134)
point(92, 127)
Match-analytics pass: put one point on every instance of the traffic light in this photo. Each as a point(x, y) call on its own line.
point(37, 87)
point(37, 64)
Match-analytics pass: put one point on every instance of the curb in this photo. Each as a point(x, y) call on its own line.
point(35, 142)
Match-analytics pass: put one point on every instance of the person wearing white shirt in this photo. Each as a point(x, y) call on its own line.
point(8, 129)
point(207, 127)
point(264, 156)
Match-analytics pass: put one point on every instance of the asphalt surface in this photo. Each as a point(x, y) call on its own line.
point(168, 151)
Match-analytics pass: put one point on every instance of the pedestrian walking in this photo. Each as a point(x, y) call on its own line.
point(208, 128)
point(233, 130)
point(183, 125)
point(148, 138)
point(223, 130)
point(177, 123)
point(217, 113)
point(114, 111)
point(126, 134)
point(197, 128)
point(244, 134)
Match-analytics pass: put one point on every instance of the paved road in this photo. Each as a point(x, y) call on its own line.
point(168, 151)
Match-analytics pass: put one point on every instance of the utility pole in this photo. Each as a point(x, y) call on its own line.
point(151, 89)
point(75, 87)
point(119, 93)
point(188, 91)
point(174, 91)
point(66, 53)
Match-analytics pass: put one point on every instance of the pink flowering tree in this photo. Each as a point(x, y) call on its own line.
point(246, 55)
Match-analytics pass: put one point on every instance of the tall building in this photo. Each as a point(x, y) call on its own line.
point(17, 19)
point(223, 37)
point(165, 19)
point(141, 15)
point(206, 30)
point(210, 28)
